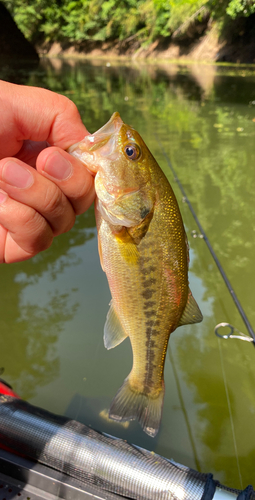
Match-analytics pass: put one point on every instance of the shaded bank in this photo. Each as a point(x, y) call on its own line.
point(14, 46)
point(201, 42)
point(206, 35)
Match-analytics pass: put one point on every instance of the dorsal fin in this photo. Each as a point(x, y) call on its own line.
point(191, 313)
point(114, 332)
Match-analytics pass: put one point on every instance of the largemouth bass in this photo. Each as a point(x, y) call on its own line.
point(144, 252)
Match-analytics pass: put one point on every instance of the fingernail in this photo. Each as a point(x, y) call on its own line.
point(58, 167)
point(16, 175)
point(3, 196)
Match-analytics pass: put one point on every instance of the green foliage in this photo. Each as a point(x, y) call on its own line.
point(162, 13)
point(182, 10)
point(28, 15)
point(146, 20)
point(240, 7)
point(224, 9)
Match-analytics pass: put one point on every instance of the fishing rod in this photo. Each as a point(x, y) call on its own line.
point(216, 260)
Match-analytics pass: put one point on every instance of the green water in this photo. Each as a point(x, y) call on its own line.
point(53, 307)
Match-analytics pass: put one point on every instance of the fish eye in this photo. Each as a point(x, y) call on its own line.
point(132, 151)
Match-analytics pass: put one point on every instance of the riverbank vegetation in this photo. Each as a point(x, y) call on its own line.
point(76, 21)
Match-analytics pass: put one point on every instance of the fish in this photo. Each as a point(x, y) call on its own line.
point(144, 252)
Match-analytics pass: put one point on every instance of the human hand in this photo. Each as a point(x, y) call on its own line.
point(42, 188)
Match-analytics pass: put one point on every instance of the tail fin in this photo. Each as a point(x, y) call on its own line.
point(130, 405)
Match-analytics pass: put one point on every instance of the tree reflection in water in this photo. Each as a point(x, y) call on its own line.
point(29, 332)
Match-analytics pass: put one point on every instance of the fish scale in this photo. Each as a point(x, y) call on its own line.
point(143, 250)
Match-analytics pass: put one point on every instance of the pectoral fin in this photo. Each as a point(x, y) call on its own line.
point(191, 313)
point(114, 332)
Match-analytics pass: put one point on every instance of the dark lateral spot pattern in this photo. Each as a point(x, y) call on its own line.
point(148, 380)
point(148, 291)
point(153, 322)
point(148, 283)
point(150, 332)
point(147, 270)
point(145, 262)
point(150, 323)
point(148, 314)
point(149, 304)
point(151, 343)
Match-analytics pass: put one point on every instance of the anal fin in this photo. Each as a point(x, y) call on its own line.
point(114, 332)
point(191, 313)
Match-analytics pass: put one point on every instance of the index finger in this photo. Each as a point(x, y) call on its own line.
point(36, 114)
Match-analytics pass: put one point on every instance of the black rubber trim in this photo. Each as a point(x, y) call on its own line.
point(246, 494)
point(210, 487)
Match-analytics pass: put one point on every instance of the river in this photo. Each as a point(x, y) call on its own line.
point(53, 307)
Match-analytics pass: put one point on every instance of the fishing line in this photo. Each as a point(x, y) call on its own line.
point(230, 413)
point(184, 411)
point(215, 258)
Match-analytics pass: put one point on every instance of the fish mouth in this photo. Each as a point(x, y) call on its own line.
point(103, 139)
point(105, 133)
